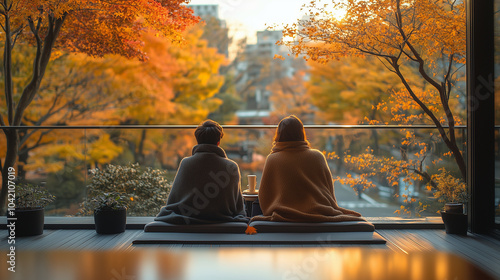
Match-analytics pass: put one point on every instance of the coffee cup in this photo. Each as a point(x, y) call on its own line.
point(252, 182)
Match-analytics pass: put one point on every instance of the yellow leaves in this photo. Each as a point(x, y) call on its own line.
point(409, 134)
point(449, 188)
point(277, 56)
point(331, 155)
point(103, 150)
point(47, 167)
point(347, 94)
point(55, 55)
point(436, 161)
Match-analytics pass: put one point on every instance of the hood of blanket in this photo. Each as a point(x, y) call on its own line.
point(290, 145)
point(209, 148)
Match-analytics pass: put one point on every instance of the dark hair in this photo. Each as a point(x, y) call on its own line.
point(290, 129)
point(208, 132)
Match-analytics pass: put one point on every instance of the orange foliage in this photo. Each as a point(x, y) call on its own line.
point(250, 230)
point(99, 27)
point(93, 27)
point(427, 34)
point(385, 28)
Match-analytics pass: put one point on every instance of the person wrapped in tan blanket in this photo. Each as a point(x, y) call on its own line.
point(296, 184)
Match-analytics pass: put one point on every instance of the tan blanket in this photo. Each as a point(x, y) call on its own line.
point(297, 186)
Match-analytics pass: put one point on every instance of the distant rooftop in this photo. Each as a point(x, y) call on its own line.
point(205, 10)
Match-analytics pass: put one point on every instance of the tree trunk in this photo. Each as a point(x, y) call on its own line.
point(140, 157)
point(22, 160)
point(450, 142)
point(373, 115)
point(42, 58)
point(10, 160)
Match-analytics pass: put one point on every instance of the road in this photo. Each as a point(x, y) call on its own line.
point(368, 207)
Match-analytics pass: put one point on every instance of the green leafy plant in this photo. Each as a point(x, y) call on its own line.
point(105, 202)
point(32, 197)
point(144, 189)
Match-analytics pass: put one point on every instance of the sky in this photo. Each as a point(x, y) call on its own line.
point(246, 17)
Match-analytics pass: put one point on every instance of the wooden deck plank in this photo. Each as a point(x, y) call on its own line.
point(483, 251)
point(94, 241)
point(126, 241)
point(65, 242)
point(58, 239)
point(33, 241)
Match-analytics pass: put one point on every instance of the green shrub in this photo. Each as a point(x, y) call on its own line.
point(31, 197)
point(104, 202)
point(146, 189)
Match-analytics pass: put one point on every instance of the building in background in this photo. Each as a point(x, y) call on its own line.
point(254, 68)
point(205, 11)
point(258, 69)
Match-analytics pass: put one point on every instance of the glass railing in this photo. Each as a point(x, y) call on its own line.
point(60, 159)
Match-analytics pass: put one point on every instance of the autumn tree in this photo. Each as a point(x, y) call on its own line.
point(429, 35)
point(347, 90)
point(77, 89)
point(289, 93)
point(176, 86)
point(92, 27)
point(115, 90)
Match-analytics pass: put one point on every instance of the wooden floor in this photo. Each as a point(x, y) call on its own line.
point(481, 250)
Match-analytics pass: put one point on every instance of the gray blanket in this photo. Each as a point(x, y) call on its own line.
point(206, 189)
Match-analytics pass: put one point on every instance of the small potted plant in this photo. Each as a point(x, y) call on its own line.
point(453, 193)
point(143, 191)
point(109, 210)
point(146, 188)
point(30, 201)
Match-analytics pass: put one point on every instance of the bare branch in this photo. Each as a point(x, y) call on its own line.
point(385, 65)
point(42, 58)
point(447, 77)
point(458, 69)
point(39, 24)
point(415, 52)
point(7, 67)
point(2, 123)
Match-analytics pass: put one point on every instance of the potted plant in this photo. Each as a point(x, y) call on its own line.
point(142, 190)
point(109, 210)
point(30, 201)
point(453, 193)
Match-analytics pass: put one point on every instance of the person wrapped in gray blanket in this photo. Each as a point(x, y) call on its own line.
point(206, 188)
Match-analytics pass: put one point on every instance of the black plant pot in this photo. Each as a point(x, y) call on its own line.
point(29, 221)
point(110, 221)
point(454, 207)
point(454, 223)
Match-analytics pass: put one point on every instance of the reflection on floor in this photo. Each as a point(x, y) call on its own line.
point(408, 254)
